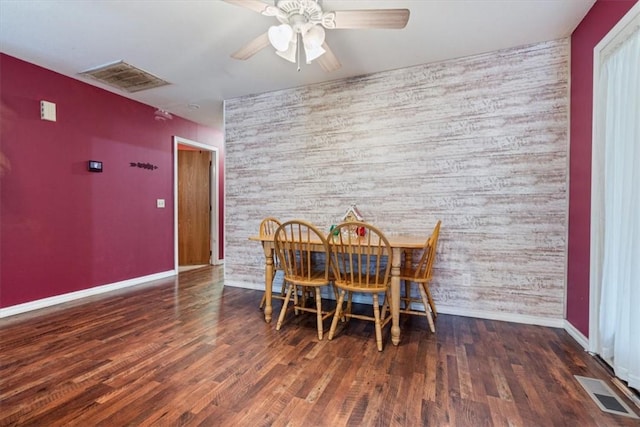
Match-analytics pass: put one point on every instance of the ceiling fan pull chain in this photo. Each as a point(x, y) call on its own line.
point(298, 50)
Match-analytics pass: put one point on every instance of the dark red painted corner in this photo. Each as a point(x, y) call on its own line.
point(64, 229)
point(597, 23)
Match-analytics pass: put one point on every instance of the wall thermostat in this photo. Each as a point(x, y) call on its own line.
point(94, 166)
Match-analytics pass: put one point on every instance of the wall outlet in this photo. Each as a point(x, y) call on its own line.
point(466, 279)
point(160, 203)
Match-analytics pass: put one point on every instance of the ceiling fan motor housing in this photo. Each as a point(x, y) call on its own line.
point(300, 14)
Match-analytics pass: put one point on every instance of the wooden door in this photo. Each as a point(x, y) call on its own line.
point(194, 207)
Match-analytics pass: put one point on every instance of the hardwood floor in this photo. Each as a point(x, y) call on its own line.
point(190, 352)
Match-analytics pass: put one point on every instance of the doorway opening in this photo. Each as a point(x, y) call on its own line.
point(213, 189)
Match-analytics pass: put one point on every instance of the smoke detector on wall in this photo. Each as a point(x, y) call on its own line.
point(162, 115)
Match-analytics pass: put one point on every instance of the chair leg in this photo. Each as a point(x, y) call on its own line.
point(349, 304)
point(319, 312)
point(376, 316)
point(337, 315)
point(296, 301)
point(407, 295)
point(285, 303)
point(431, 301)
point(335, 291)
point(427, 307)
point(385, 307)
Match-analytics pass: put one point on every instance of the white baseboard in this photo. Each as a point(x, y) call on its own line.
point(253, 286)
point(59, 299)
point(576, 335)
point(504, 317)
point(481, 314)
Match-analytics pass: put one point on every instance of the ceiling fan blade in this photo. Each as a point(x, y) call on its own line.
point(255, 5)
point(253, 47)
point(374, 18)
point(328, 61)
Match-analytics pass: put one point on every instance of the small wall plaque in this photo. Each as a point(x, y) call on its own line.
point(141, 165)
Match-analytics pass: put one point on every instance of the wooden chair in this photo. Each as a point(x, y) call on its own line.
point(268, 227)
point(421, 275)
point(297, 243)
point(361, 264)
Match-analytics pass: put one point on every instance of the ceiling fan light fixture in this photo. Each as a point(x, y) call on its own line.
point(290, 53)
point(314, 37)
point(280, 36)
point(313, 53)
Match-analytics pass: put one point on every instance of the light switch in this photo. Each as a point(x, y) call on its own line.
point(160, 203)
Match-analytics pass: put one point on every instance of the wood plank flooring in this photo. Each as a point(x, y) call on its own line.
point(191, 352)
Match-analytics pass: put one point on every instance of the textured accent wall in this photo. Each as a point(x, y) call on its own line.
point(479, 142)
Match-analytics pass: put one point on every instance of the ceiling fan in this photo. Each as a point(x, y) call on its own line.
point(302, 28)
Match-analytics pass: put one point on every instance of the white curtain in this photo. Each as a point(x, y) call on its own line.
point(619, 324)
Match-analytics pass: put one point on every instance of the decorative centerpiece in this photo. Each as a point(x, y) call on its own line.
point(351, 215)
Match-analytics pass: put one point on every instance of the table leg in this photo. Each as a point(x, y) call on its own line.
point(268, 282)
point(395, 296)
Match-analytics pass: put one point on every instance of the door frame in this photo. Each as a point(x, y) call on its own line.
point(619, 32)
point(214, 185)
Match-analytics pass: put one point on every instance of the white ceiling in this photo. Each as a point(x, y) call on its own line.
point(188, 42)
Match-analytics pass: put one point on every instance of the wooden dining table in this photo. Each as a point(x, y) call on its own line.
point(399, 244)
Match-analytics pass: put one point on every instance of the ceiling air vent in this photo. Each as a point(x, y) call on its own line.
point(124, 76)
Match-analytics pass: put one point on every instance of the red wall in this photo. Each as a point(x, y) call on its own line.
point(64, 229)
point(601, 18)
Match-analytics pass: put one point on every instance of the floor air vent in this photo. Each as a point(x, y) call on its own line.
point(605, 397)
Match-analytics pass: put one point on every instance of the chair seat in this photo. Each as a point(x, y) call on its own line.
point(317, 278)
point(361, 285)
